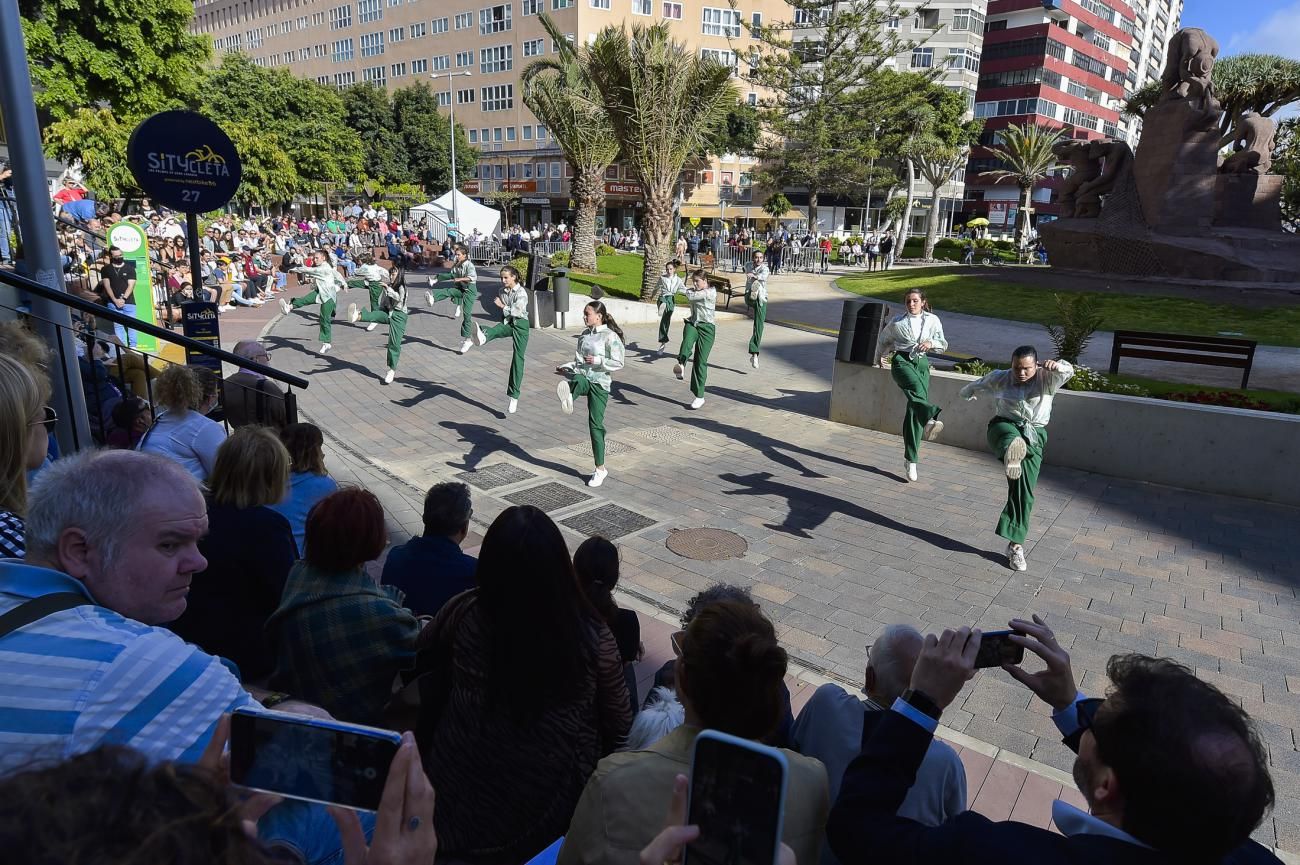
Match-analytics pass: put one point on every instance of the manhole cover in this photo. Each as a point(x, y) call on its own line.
point(665, 434)
point(493, 476)
point(611, 447)
point(548, 497)
point(610, 521)
point(707, 545)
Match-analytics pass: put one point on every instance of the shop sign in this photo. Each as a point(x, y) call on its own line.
point(519, 186)
point(542, 201)
point(469, 187)
point(623, 187)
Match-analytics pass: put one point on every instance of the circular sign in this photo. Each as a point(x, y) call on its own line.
point(182, 160)
point(126, 237)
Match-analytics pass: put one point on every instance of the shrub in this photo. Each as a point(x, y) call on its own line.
point(973, 367)
point(520, 264)
point(948, 243)
point(1088, 379)
point(1079, 320)
point(1227, 398)
point(560, 259)
point(985, 243)
point(605, 249)
point(1008, 245)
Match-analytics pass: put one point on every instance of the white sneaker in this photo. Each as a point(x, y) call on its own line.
point(514, 404)
point(227, 308)
point(1016, 558)
point(432, 283)
point(697, 402)
point(753, 361)
point(598, 477)
point(372, 326)
point(457, 311)
point(565, 394)
point(479, 336)
point(464, 346)
point(932, 429)
point(285, 307)
point(910, 468)
point(428, 295)
point(663, 347)
point(1014, 456)
point(678, 371)
point(354, 314)
point(325, 347)
point(389, 376)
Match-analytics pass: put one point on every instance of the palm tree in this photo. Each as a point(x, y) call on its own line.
point(665, 102)
point(561, 94)
point(937, 166)
point(1027, 153)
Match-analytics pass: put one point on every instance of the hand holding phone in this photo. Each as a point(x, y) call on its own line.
point(737, 800)
point(996, 649)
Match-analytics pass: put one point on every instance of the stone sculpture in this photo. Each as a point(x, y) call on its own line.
point(1189, 65)
point(1253, 146)
point(1083, 168)
point(1117, 160)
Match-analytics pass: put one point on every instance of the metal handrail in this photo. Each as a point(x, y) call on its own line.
point(30, 286)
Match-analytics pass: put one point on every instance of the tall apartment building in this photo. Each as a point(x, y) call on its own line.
point(1157, 21)
point(395, 43)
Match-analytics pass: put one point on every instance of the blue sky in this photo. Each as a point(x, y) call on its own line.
point(1248, 26)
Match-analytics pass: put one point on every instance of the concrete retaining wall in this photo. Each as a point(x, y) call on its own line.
point(631, 311)
point(1251, 454)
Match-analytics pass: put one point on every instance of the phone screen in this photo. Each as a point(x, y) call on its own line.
point(304, 759)
point(996, 649)
point(736, 799)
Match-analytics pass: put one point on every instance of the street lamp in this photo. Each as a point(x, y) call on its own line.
point(451, 106)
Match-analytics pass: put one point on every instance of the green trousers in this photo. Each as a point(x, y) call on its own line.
point(396, 321)
point(760, 313)
point(597, 399)
point(464, 298)
point(913, 379)
point(666, 320)
point(326, 312)
point(375, 288)
point(1014, 522)
point(697, 338)
point(517, 330)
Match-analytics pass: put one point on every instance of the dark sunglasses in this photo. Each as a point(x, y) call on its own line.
point(49, 421)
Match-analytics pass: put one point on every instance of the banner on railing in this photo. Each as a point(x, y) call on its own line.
point(134, 243)
point(199, 322)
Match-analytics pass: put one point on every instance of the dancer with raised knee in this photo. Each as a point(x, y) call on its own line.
point(904, 343)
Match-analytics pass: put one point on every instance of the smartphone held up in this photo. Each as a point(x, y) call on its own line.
point(737, 798)
point(996, 649)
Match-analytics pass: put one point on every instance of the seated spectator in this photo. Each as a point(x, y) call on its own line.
point(596, 564)
point(249, 549)
point(431, 569)
point(1171, 768)
point(97, 387)
point(527, 694)
point(309, 482)
point(660, 715)
point(340, 639)
point(182, 431)
point(250, 397)
point(132, 417)
point(830, 728)
point(729, 673)
point(24, 441)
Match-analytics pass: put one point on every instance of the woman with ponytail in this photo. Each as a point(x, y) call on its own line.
point(600, 352)
point(904, 343)
point(596, 564)
point(730, 671)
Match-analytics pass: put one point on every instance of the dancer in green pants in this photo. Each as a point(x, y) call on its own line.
point(513, 300)
point(698, 334)
point(463, 290)
point(600, 352)
point(1018, 434)
point(327, 282)
point(669, 284)
point(756, 298)
point(371, 277)
point(391, 309)
point(904, 343)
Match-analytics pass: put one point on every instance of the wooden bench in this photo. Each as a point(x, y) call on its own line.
point(1179, 348)
point(721, 283)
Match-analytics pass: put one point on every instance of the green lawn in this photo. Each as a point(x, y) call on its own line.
point(620, 276)
point(955, 291)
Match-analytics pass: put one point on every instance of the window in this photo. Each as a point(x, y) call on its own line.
point(720, 22)
point(465, 97)
point(541, 171)
point(528, 166)
point(542, 135)
point(599, 4)
point(438, 25)
point(496, 136)
point(444, 99)
point(494, 19)
point(372, 45)
point(1008, 107)
point(752, 99)
point(967, 20)
point(464, 20)
point(397, 34)
point(534, 47)
point(926, 19)
point(341, 51)
point(1074, 117)
point(1021, 47)
point(498, 97)
point(473, 136)
point(498, 59)
point(726, 58)
point(642, 7)
point(345, 79)
point(397, 70)
point(419, 30)
point(611, 172)
point(964, 58)
point(810, 17)
point(510, 136)
point(370, 10)
point(922, 58)
point(1089, 64)
point(375, 75)
point(419, 67)
point(531, 7)
point(442, 63)
point(561, 4)
point(1014, 77)
point(892, 23)
point(340, 17)
point(527, 170)
point(464, 58)
point(672, 10)
point(756, 24)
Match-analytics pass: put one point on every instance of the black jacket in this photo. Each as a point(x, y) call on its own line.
point(864, 826)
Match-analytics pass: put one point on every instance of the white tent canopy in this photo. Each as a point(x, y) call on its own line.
point(472, 215)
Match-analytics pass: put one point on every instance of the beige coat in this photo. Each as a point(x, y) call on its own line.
point(624, 803)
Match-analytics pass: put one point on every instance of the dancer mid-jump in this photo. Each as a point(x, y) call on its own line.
point(756, 297)
point(698, 335)
point(1018, 434)
point(669, 284)
point(327, 283)
point(463, 290)
point(390, 309)
point(513, 301)
point(600, 352)
point(904, 343)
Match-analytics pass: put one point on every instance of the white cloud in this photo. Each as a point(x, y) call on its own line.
point(1279, 33)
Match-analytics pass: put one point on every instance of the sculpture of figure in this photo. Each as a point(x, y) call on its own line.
point(1253, 145)
point(1083, 168)
point(1189, 63)
point(1117, 158)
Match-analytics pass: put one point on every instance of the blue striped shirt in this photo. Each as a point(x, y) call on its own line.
point(87, 677)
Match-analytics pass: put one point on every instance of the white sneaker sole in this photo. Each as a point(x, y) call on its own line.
point(679, 371)
point(1014, 456)
point(565, 394)
point(388, 378)
point(932, 430)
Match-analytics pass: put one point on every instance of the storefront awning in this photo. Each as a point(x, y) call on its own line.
point(702, 211)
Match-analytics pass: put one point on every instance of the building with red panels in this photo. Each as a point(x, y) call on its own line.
point(1054, 63)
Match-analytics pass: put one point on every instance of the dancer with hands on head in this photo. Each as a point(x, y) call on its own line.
point(904, 343)
point(698, 335)
point(600, 352)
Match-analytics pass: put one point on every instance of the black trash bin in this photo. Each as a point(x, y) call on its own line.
point(860, 324)
point(560, 288)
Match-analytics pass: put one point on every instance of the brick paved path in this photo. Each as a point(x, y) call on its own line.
point(838, 545)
